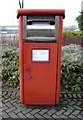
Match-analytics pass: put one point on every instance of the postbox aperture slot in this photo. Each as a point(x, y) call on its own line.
point(39, 21)
point(36, 29)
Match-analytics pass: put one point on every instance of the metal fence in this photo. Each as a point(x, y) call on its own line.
point(9, 39)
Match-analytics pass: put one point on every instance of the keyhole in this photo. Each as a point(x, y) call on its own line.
point(29, 77)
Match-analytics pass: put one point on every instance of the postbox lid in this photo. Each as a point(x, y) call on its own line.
point(59, 12)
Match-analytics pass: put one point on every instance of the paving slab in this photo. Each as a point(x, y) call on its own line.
point(69, 107)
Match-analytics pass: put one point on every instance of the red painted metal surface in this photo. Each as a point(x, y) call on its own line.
point(59, 45)
point(21, 59)
point(41, 87)
point(21, 12)
point(40, 81)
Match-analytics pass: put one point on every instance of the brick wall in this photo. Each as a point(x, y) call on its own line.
point(72, 40)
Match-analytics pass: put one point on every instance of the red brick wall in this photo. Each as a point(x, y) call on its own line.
point(72, 40)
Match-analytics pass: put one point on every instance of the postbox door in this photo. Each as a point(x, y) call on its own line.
point(40, 67)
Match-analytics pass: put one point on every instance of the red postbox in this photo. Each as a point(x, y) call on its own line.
point(40, 41)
